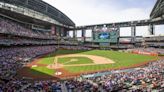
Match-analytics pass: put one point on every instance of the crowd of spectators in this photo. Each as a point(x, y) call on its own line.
point(154, 39)
point(25, 41)
point(146, 79)
point(149, 78)
point(13, 28)
point(12, 59)
point(74, 47)
point(34, 37)
point(37, 86)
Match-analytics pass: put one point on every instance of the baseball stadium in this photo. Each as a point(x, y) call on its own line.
point(41, 51)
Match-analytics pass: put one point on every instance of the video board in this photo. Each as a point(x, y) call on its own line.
point(110, 36)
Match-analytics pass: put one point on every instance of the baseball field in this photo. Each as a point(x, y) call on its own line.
point(65, 63)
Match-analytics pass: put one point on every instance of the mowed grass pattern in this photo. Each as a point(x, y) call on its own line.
point(121, 59)
point(74, 60)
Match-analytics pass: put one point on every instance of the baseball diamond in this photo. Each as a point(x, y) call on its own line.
point(85, 62)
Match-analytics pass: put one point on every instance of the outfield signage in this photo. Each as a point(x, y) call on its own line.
point(145, 53)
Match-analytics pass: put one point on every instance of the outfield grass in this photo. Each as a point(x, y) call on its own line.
point(80, 60)
point(42, 71)
point(121, 59)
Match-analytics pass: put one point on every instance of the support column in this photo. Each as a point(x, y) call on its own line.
point(74, 33)
point(133, 34)
point(118, 39)
point(60, 31)
point(84, 34)
point(67, 33)
point(151, 29)
point(92, 36)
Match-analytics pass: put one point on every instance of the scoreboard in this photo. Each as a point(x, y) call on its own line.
point(108, 36)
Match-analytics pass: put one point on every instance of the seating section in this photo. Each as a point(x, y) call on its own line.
point(74, 47)
point(145, 79)
point(13, 28)
point(13, 59)
point(25, 41)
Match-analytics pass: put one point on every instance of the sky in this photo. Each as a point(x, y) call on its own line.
point(88, 12)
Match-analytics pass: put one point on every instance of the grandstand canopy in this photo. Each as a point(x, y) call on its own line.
point(22, 18)
point(44, 8)
point(158, 10)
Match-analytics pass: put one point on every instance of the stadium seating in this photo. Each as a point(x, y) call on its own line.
point(74, 47)
point(13, 28)
point(23, 41)
point(147, 79)
point(12, 59)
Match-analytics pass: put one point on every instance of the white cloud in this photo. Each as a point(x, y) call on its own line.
point(85, 12)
